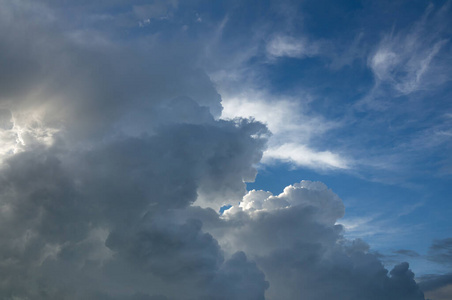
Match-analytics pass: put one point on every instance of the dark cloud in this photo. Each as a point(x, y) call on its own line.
point(120, 166)
point(437, 286)
point(134, 137)
point(6, 122)
point(406, 252)
point(105, 210)
point(433, 282)
point(441, 251)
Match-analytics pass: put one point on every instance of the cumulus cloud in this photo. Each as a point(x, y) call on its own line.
point(123, 166)
point(294, 238)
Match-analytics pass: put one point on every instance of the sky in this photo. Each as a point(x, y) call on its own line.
point(198, 149)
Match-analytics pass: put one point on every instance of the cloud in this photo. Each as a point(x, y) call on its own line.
point(433, 282)
point(441, 251)
point(105, 211)
point(407, 60)
point(410, 66)
point(300, 155)
point(128, 144)
point(296, 241)
point(286, 46)
point(406, 252)
point(438, 287)
point(292, 129)
point(158, 9)
point(124, 163)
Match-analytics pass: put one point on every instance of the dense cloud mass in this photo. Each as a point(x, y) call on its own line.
point(114, 166)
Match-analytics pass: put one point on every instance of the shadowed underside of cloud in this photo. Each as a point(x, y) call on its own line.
point(113, 146)
point(441, 251)
point(438, 287)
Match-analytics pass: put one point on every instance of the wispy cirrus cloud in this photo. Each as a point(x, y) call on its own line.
point(406, 61)
point(292, 129)
point(288, 46)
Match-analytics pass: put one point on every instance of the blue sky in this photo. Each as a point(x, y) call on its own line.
point(321, 130)
point(372, 82)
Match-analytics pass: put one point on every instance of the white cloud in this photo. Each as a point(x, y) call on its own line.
point(302, 156)
point(23, 131)
point(406, 60)
point(286, 46)
point(292, 129)
point(295, 240)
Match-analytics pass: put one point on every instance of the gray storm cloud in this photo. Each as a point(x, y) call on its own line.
point(116, 142)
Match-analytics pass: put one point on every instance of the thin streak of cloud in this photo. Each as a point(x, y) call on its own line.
point(286, 46)
point(292, 130)
point(301, 156)
point(406, 60)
